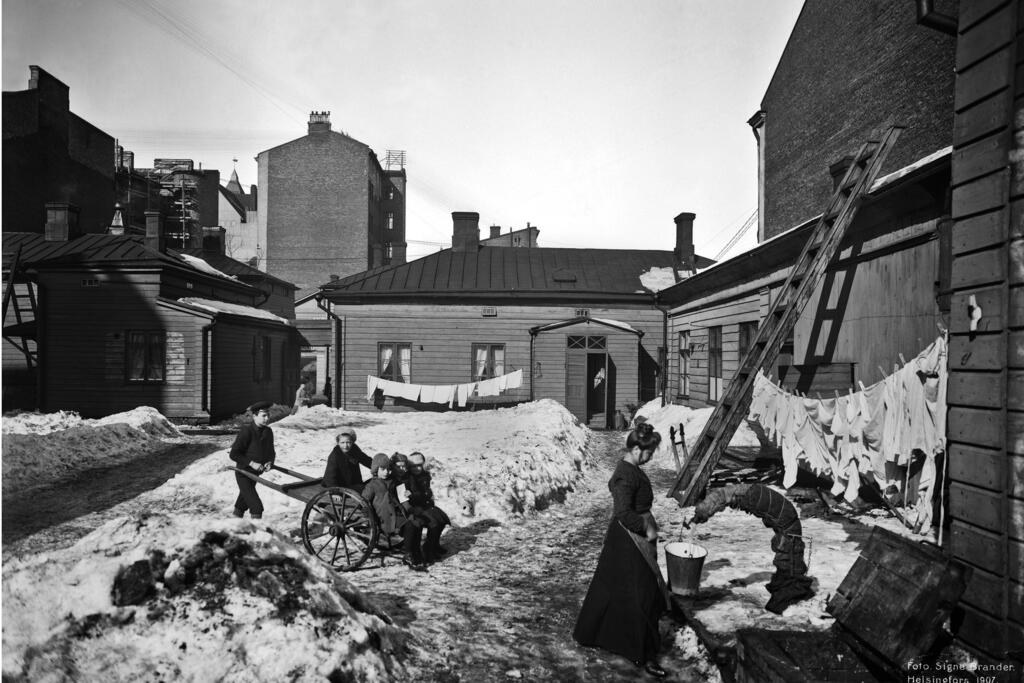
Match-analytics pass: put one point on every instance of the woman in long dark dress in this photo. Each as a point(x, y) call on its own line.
point(626, 597)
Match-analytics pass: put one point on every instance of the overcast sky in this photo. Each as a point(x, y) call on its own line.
point(596, 120)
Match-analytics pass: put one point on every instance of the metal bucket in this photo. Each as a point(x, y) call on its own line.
point(685, 562)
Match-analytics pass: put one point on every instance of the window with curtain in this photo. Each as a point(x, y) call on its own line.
point(488, 361)
point(394, 361)
point(714, 363)
point(146, 356)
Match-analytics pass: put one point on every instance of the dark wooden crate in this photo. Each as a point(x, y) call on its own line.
point(889, 611)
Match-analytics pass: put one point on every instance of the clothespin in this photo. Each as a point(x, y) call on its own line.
point(902, 359)
point(818, 395)
point(837, 393)
point(942, 328)
point(884, 376)
point(861, 385)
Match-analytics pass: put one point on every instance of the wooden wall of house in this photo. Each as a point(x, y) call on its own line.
point(234, 383)
point(623, 348)
point(881, 302)
point(19, 380)
point(727, 312)
point(83, 352)
point(876, 304)
point(985, 422)
point(442, 337)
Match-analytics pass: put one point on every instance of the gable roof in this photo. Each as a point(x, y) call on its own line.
point(233, 200)
point(496, 271)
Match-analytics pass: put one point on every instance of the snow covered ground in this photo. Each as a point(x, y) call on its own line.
point(222, 599)
point(40, 448)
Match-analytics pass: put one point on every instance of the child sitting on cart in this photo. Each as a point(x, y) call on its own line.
point(344, 461)
point(380, 493)
point(421, 506)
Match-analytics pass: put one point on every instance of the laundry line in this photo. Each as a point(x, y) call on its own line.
point(876, 433)
point(444, 393)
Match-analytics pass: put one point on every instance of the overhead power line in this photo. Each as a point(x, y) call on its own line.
point(744, 229)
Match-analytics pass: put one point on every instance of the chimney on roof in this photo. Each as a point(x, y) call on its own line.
point(213, 240)
point(116, 224)
point(319, 121)
point(61, 222)
point(155, 231)
point(837, 169)
point(685, 259)
point(465, 230)
point(495, 231)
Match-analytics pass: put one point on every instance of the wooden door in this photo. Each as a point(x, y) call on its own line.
point(576, 383)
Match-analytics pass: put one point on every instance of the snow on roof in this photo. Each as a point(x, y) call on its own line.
point(907, 170)
point(200, 264)
point(233, 309)
point(617, 324)
point(658, 278)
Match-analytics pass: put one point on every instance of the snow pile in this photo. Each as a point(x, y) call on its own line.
point(203, 266)
point(181, 598)
point(693, 421)
point(40, 423)
point(277, 411)
point(41, 449)
point(489, 463)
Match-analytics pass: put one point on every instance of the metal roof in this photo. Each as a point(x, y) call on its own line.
point(505, 270)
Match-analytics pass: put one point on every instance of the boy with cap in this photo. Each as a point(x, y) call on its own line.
point(253, 451)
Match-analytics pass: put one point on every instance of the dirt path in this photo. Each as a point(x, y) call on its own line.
point(56, 516)
point(503, 604)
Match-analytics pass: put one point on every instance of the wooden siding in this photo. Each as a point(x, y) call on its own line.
point(442, 338)
point(727, 314)
point(985, 427)
point(549, 377)
point(873, 311)
point(234, 385)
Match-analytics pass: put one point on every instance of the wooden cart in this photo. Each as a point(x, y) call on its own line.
point(338, 525)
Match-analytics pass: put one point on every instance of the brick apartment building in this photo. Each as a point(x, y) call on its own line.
point(52, 155)
point(329, 207)
point(830, 88)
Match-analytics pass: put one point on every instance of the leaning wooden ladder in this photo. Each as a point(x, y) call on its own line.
point(24, 315)
point(805, 276)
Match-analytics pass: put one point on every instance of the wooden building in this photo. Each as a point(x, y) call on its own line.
point(101, 324)
point(579, 323)
point(985, 425)
point(938, 240)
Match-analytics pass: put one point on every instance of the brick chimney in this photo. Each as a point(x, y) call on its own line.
point(61, 222)
point(684, 256)
point(319, 121)
point(155, 231)
point(213, 240)
point(495, 231)
point(465, 230)
point(837, 169)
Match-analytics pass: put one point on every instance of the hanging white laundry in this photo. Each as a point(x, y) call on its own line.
point(371, 386)
point(515, 379)
point(410, 392)
point(488, 387)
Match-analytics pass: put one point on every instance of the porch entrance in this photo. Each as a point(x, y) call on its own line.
point(587, 379)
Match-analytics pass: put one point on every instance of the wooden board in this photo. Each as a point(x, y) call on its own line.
point(992, 32)
point(897, 595)
point(979, 268)
point(984, 78)
point(981, 119)
point(978, 232)
point(974, 426)
point(978, 389)
point(796, 657)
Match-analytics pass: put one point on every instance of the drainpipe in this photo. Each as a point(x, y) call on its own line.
point(207, 370)
point(339, 352)
point(533, 338)
point(928, 17)
point(664, 345)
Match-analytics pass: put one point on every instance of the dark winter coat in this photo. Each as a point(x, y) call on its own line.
point(253, 444)
point(421, 500)
point(624, 601)
point(343, 469)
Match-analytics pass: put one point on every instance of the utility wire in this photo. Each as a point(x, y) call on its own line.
point(744, 229)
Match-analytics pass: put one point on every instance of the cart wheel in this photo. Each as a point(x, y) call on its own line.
point(338, 526)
